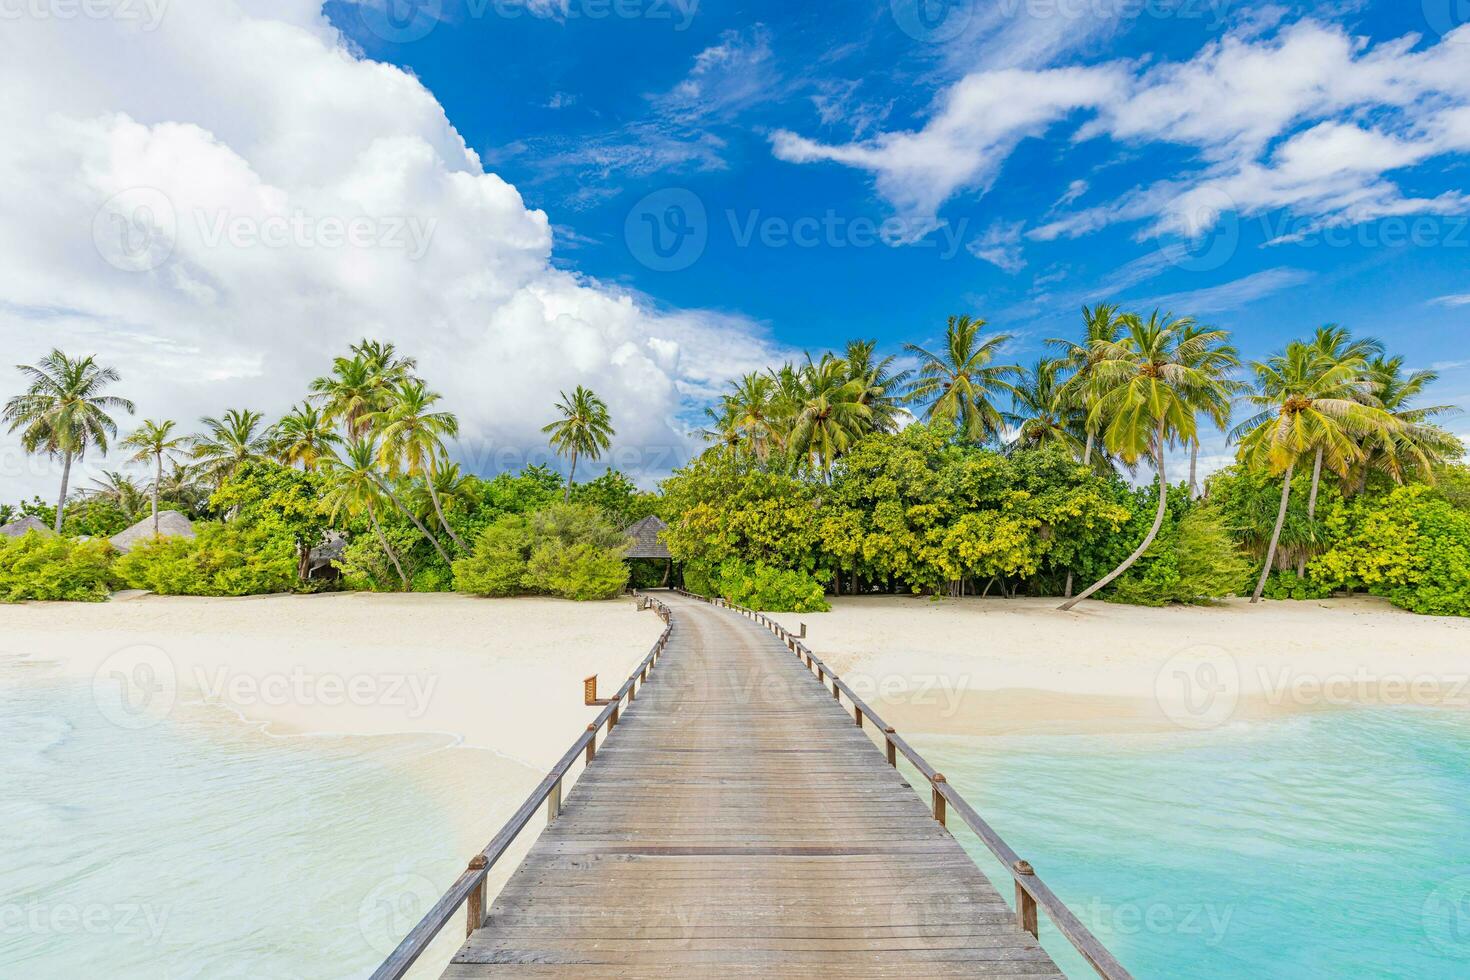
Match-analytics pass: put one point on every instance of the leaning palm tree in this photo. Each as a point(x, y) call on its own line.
point(961, 382)
point(153, 442)
point(1100, 325)
point(1217, 359)
point(1146, 394)
point(354, 487)
point(1045, 413)
point(413, 439)
point(229, 442)
point(833, 414)
point(584, 429)
point(64, 412)
point(303, 435)
point(1311, 402)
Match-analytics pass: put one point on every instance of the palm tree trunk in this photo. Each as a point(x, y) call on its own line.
point(65, 486)
point(1301, 565)
point(439, 510)
point(1087, 450)
point(387, 548)
point(566, 497)
point(1148, 538)
point(157, 479)
point(413, 517)
point(1275, 534)
point(1193, 468)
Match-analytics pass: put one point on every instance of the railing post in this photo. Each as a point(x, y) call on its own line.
point(612, 722)
point(1026, 916)
point(892, 748)
point(939, 813)
point(858, 715)
point(591, 743)
point(836, 691)
point(553, 802)
point(475, 906)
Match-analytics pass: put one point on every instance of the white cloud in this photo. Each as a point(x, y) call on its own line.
point(1303, 118)
point(243, 123)
point(1230, 295)
point(1452, 300)
point(1001, 246)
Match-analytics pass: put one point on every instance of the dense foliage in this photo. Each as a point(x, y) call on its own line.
point(232, 559)
point(568, 550)
point(48, 567)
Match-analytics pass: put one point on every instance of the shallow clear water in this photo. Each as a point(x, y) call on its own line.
point(1329, 845)
point(201, 848)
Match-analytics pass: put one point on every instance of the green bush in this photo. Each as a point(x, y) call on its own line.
point(759, 586)
point(497, 566)
point(566, 550)
point(223, 560)
point(1193, 561)
point(1286, 584)
point(40, 566)
point(1412, 547)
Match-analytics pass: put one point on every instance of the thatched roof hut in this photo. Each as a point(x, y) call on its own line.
point(171, 524)
point(647, 537)
point(24, 526)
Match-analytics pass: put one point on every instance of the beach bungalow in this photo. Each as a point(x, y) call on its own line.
point(647, 543)
point(171, 524)
point(20, 528)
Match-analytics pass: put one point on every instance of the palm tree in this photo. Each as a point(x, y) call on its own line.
point(883, 391)
point(355, 487)
point(181, 485)
point(351, 393)
point(1216, 359)
point(1046, 413)
point(64, 412)
point(584, 429)
point(1145, 394)
point(152, 442)
point(1100, 325)
point(1311, 401)
point(961, 382)
point(832, 415)
point(117, 489)
point(1416, 447)
point(303, 435)
point(413, 436)
point(229, 442)
point(751, 415)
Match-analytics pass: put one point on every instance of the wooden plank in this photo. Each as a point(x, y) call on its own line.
point(737, 823)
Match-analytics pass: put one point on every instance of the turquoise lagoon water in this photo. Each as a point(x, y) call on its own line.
point(200, 848)
point(1326, 845)
point(1331, 845)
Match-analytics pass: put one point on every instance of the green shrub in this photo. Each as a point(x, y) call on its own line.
point(497, 566)
point(1286, 584)
point(582, 572)
point(223, 560)
point(365, 567)
point(1192, 561)
point(40, 566)
point(759, 586)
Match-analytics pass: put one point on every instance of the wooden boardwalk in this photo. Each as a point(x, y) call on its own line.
point(737, 823)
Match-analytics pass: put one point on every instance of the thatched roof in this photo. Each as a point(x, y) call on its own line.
point(647, 539)
point(22, 527)
point(171, 524)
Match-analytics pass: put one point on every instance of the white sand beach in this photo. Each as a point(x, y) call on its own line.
point(992, 666)
point(502, 675)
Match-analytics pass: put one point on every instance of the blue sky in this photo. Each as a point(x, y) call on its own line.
point(652, 196)
point(607, 122)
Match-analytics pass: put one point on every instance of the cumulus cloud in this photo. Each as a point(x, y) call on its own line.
point(220, 205)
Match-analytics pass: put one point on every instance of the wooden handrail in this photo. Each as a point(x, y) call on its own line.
point(1031, 892)
point(470, 886)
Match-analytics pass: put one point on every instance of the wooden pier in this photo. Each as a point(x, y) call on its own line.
point(739, 821)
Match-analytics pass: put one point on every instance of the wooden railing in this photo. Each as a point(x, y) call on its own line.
point(469, 888)
point(1031, 892)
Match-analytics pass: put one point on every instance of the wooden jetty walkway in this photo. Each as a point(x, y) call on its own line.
point(739, 821)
